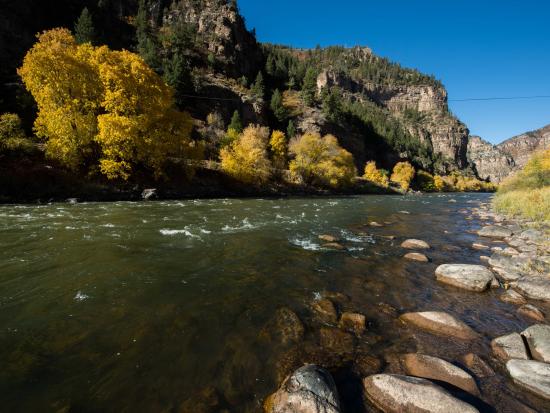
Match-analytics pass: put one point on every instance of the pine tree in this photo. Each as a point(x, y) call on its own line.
point(236, 122)
point(146, 46)
point(277, 106)
point(258, 88)
point(178, 75)
point(332, 105)
point(309, 88)
point(84, 28)
point(291, 129)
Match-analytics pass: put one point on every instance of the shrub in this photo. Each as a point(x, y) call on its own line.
point(12, 137)
point(246, 158)
point(279, 149)
point(321, 161)
point(375, 175)
point(403, 173)
point(425, 181)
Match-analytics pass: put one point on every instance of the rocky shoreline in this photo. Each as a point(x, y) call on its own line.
point(514, 262)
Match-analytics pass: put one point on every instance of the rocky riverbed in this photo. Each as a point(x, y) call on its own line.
point(516, 264)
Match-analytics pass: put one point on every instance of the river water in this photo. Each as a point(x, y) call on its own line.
point(159, 306)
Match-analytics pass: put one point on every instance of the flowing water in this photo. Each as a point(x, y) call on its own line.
point(159, 306)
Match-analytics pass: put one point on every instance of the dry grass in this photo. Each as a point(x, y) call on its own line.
point(533, 204)
point(292, 101)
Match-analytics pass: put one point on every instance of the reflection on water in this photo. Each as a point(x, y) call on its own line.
point(159, 306)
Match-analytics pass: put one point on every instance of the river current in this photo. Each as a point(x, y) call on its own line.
point(158, 306)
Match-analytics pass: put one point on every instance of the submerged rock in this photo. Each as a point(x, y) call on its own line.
point(416, 256)
point(513, 297)
point(538, 339)
point(509, 347)
point(435, 368)
point(479, 246)
point(394, 393)
point(441, 323)
point(415, 244)
point(533, 376)
point(286, 326)
point(477, 365)
point(310, 389)
point(325, 310)
point(529, 310)
point(354, 322)
point(375, 224)
point(334, 246)
point(494, 231)
point(469, 277)
point(337, 341)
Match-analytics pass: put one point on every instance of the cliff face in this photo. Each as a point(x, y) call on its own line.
point(490, 162)
point(497, 162)
point(521, 147)
point(430, 120)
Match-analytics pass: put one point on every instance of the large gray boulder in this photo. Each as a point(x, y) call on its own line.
point(538, 339)
point(310, 389)
point(438, 322)
point(469, 277)
point(509, 347)
point(394, 393)
point(533, 376)
point(429, 367)
point(494, 231)
point(536, 288)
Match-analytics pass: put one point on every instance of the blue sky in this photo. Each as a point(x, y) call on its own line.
point(478, 48)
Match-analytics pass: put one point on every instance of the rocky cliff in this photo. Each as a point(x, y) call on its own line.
point(496, 162)
point(521, 147)
point(489, 161)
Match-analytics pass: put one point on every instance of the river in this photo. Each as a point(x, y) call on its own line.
point(157, 306)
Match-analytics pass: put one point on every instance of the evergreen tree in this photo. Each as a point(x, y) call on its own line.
point(291, 129)
point(178, 75)
point(146, 44)
point(309, 87)
point(84, 28)
point(277, 106)
point(258, 88)
point(236, 122)
point(332, 105)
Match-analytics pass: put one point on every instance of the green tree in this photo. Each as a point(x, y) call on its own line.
point(332, 105)
point(236, 123)
point(291, 129)
point(309, 88)
point(146, 41)
point(84, 31)
point(277, 106)
point(178, 75)
point(258, 88)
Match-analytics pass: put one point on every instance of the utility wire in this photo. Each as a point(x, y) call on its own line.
point(501, 98)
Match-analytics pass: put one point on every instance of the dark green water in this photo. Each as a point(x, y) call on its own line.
point(138, 307)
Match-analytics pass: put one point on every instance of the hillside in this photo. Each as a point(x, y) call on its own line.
point(202, 48)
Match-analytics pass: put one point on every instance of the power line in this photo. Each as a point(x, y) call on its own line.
point(501, 98)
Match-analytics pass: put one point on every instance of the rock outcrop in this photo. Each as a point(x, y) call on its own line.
point(490, 162)
point(521, 147)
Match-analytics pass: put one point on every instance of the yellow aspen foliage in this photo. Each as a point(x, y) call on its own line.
point(98, 105)
point(403, 173)
point(246, 158)
point(373, 174)
point(439, 183)
point(321, 161)
point(279, 148)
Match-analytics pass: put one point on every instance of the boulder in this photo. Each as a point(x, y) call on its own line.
point(507, 275)
point(286, 326)
point(533, 376)
point(328, 238)
point(469, 277)
point(477, 365)
point(310, 389)
point(529, 310)
point(494, 231)
point(434, 368)
point(325, 310)
point(149, 194)
point(534, 288)
point(415, 244)
point(354, 322)
point(532, 235)
point(513, 297)
point(509, 347)
point(438, 322)
point(394, 393)
point(509, 262)
point(538, 340)
point(416, 256)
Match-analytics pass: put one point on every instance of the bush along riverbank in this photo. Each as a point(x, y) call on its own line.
point(514, 264)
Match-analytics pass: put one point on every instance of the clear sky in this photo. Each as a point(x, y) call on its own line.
point(478, 48)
